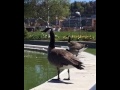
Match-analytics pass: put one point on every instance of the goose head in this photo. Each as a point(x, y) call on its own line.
point(85, 45)
point(67, 35)
point(69, 38)
point(47, 30)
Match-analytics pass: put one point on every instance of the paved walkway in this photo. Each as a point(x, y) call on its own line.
point(80, 79)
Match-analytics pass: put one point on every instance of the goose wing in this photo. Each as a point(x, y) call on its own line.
point(64, 57)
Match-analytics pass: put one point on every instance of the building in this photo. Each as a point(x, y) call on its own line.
point(88, 23)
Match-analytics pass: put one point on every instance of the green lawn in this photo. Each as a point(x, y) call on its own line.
point(91, 50)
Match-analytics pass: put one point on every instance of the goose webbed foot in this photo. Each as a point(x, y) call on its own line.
point(58, 78)
point(66, 78)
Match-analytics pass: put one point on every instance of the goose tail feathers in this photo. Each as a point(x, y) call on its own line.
point(79, 66)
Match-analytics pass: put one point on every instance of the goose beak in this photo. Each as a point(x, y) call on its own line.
point(46, 30)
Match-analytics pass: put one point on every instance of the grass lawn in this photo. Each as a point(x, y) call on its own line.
point(91, 50)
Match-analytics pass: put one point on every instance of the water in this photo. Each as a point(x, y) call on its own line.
point(37, 69)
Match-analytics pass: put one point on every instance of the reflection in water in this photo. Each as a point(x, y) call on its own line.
point(37, 69)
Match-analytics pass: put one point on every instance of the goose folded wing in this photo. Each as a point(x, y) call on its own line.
point(64, 57)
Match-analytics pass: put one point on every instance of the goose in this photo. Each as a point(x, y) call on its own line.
point(60, 58)
point(75, 47)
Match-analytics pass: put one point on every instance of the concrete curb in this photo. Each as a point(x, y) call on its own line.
point(58, 43)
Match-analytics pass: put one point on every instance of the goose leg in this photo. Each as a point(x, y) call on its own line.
point(68, 74)
point(58, 73)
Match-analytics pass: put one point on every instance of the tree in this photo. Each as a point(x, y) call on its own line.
point(29, 8)
point(86, 8)
point(43, 8)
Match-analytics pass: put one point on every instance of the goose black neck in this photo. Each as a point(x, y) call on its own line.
point(69, 39)
point(52, 39)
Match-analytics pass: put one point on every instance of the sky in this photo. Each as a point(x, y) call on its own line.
point(81, 0)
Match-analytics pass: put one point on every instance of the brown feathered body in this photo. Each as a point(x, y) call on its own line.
point(62, 58)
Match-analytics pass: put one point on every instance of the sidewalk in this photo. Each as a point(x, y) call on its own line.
point(80, 79)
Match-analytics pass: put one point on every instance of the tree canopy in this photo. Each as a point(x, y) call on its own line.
point(43, 8)
point(59, 8)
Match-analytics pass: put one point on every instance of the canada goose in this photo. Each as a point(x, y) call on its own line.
point(60, 58)
point(75, 47)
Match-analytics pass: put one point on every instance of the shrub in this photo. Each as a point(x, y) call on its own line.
point(60, 36)
point(25, 33)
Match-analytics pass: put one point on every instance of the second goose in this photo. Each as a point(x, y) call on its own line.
point(75, 47)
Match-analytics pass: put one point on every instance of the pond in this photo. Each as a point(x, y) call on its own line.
point(37, 69)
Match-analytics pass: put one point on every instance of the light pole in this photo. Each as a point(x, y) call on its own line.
point(69, 22)
point(28, 22)
point(44, 20)
point(78, 13)
point(56, 20)
point(48, 18)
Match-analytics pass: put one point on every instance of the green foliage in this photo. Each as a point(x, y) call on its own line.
point(61, 8)
point(25, 33)
point(86, 8)
point(56, 7)
point(84, 35)
point(79, 38)
point(61, 36)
